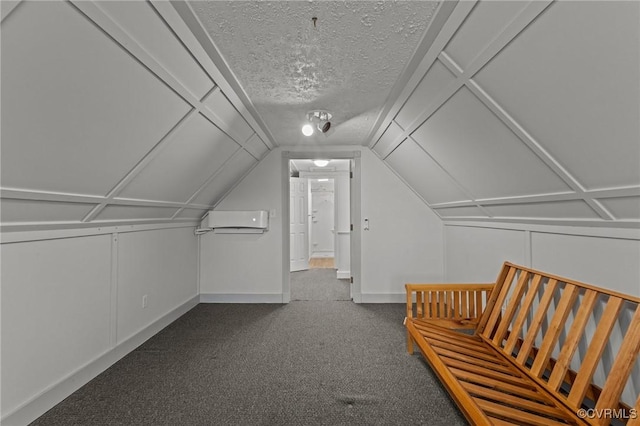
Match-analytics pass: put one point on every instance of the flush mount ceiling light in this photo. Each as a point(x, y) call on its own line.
point(321, 163)
point(321, 121)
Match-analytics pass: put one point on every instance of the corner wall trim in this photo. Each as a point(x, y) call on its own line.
point(241, 298)
point(46, 400)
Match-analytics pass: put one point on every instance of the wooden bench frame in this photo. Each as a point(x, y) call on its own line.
point(499, 375)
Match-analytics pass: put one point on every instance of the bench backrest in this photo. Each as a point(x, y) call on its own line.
point(579, 341)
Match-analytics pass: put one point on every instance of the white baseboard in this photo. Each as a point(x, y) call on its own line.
point(383, 298)
point(343, 275)
point(53, 395)
point(241, 298)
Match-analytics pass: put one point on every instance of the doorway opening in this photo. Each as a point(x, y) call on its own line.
point(320, 237)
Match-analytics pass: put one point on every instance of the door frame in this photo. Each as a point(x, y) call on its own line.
point(355, 213)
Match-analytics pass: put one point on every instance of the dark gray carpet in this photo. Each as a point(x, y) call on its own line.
point(304, 363)
point(318, 284)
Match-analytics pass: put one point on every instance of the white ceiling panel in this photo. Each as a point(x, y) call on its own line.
point(220, 105)
point(386, 142)
point(42, 211)
point(114, 212)
point(256, 147)
point(194, 153)
point(141, 21)
point(571, 79)
point(461, 212)
point(78, 112)
point(423, 174)
point(485, 22)
point(228, 177)
point(434, 80)
point(623, 207)
point(481, 153)
point(556, 210)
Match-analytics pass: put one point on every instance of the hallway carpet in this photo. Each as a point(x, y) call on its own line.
point(318, 284)
point(304, 363)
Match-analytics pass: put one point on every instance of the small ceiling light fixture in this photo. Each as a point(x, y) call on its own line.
point(321, 163)
point(321, 119)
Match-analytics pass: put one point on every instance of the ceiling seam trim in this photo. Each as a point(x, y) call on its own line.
point(534, 146)
point(424, 46)
point(513, 29)
point(157, 6)
point(135, 171)
point(449, 28)
point(464, 190)
point(191, 20)
point(211, 179)
point(11, 8)
point(621, 224)
point(67, 198)
point(130, 45)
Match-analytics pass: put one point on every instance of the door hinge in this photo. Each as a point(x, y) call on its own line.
point(351, 280)
point(351, 175)
point(352, 226)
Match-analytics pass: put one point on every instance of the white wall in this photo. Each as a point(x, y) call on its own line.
point(72, 306)
point(607, 258)
point(247, 267)
point(404, 242)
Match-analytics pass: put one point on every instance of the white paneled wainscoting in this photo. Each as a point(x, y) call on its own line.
point(94, 296)
point(607, 257)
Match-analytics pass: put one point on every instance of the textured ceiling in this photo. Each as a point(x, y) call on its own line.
point(346, 64)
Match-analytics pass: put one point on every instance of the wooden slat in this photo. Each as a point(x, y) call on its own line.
point(492, 295)
point(470, 409)
point(496, 309)
point(499, 422)
point(520, 416)
point(467, 355)
point(420, 312)
point(573, 339)
point(463, 346)
point(541, 312)
point(459, 368)
point(516, 328)
point(594, 352)
point(635, 416)
point(622, 366)
point(511, 309)
point(434, 304)
point(567, 300)
point(502, 386)
point(515, 401)
point(453, 336)
point(464, 300)
point(456, 304)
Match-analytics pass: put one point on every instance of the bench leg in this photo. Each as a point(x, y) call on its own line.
point(409, 343)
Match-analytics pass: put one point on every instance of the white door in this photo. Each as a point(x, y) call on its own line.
point(298, 227)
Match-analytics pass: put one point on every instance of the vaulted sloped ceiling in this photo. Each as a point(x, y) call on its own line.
point(137, 112)
point(113, 113)
point(525, 112)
